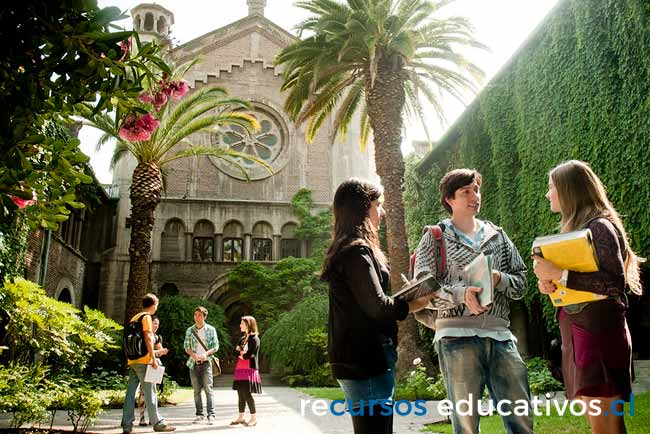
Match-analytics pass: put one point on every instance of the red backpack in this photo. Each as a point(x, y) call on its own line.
point(441, 253)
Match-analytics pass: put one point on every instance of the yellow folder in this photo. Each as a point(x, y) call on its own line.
point(572, 251)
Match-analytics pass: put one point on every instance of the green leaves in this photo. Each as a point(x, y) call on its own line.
point(57, 330)
point(350, 42)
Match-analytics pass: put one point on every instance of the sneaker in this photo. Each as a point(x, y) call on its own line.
point(210, 419)
point(199, 419)
point(163, 427)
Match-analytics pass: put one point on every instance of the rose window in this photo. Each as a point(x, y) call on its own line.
point(267, 144)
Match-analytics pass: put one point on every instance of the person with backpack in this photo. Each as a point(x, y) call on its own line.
point(474, 344)
point(596, 345)
point(201, 344)
point(140, 352)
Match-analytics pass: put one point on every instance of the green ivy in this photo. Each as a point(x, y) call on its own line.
point(580, 88)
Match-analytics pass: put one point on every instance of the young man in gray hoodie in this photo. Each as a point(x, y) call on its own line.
point(474, 344)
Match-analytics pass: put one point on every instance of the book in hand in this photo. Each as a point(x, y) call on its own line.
point(154, 375)
point(573, 251)
point(479, 273)
point(424, 285)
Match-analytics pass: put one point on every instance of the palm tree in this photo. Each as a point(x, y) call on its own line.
point(382, 59)
point(204, 110)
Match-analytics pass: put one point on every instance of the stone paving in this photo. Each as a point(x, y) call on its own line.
point(279, 411)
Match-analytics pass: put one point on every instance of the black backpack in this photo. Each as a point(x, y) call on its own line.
point(133, 342)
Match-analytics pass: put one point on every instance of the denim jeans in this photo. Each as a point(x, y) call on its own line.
point(469, 364)
point(136, 376)
point(359, 393)
point(201, 377)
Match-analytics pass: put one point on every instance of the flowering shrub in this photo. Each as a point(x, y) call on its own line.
point(140, 128)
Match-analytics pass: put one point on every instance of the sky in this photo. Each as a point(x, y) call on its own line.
point(502, 25)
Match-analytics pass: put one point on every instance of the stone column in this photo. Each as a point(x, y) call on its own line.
point(188, 246)
point(218, 247)
point(247, 254)
point(275, 256)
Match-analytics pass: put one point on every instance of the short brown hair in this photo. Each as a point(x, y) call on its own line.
point(203, 310)
point(149, 300)
point(452, 181)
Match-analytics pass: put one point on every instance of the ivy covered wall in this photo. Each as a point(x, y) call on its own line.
point(578, 88)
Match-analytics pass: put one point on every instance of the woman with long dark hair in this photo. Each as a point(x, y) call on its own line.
point(596, 344)
point(362, 318)
point(247, 375)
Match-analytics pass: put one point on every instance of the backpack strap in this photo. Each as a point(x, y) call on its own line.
point(440, 251)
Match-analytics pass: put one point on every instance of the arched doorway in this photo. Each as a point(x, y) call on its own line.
point(65, 296)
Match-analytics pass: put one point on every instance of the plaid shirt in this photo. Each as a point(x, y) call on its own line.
point(192, 343)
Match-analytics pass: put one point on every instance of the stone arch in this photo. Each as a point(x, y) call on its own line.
point(289, 244)
point(262, 242)
point(168, 288)
point(137, 23)
point(173, 241)
point(148, 21)
point(65, 286)
point(203, 241)
point(233, 241)
point(161, 26)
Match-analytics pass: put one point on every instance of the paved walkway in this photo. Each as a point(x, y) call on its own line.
point(279, 411)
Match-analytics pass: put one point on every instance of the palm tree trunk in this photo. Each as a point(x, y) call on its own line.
point(146, 190)
point(385, 101)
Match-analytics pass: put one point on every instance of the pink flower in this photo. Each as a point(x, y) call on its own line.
point(146, 97)
point(134, 135)
point(126, 48)
point(178, 89)
point(147, 123)
point(22, 203)
point(159, 100)
point(138, 129)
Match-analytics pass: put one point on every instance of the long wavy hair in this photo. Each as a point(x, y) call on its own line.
point(352, 226)
point(583, 197)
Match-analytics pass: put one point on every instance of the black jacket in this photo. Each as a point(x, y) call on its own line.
point(361, 316)
point(253, 352)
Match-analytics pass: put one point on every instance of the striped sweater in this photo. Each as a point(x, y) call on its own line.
point(452, 312)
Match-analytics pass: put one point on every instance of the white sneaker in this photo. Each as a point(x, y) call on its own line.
point(210, 420)
point(199, 419)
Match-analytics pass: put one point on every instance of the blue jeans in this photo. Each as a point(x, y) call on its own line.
point(201, 378)
point(469, 364)
point(136, 376)
point(359, 393)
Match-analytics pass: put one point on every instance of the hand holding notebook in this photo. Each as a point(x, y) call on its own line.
point(572, 251)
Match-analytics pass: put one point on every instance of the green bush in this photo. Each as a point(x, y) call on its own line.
point(419, 385)
point(21, 393)
point(296, 344)
point(540, 378)
point(272, 291)
point(61, 335)
point(176, 314)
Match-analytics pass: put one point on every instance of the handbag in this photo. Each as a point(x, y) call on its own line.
point(214, 361)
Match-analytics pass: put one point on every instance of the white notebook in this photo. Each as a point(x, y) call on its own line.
point(154, 375)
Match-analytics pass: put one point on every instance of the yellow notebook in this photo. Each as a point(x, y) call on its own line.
point(572, 251)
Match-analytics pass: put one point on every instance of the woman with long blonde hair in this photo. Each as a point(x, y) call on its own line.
point(596, 344)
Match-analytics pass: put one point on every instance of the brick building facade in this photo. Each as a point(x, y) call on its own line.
point(210, 217)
